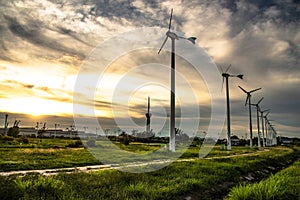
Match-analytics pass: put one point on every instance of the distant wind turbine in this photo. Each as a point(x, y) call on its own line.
point(263, 125)
point(274, 135)
point(266, 127)
point(226, 77)
point(257, 116)
point(269, 132)
point(248, 100)
point(173, 36)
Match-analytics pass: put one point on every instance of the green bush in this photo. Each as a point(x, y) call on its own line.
point(13, 131)
point(23, 139)
point(76, 144)
point(7, 138)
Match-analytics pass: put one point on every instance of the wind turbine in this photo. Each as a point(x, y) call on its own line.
point(257, 116)
point(266, 127)
point(273, 139)
point(271, 133)
point(226, 77)
point(263, 125)
point(173, 36)
point(269, 143)
point(248, 99)
point(274, 135)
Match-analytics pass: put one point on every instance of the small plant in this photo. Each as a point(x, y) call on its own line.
point(39, 187)
point(76, 144)
point(283, 185)
point(23, 139)
point(124, 138)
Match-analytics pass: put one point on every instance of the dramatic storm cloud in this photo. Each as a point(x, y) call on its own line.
point(45, 42)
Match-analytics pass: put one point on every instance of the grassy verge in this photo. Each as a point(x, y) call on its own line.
point(35, 158)
point(42, 155)
point(283, 185)
point(205, 179)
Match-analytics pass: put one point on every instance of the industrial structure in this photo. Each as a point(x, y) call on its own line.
point(148, 116)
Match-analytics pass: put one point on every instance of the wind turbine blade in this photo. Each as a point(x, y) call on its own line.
point(243, 89)
point(220, 69)
point(170, 22)
point(254, 90)
point(260, 100)
point(228, 68)
point(246, 100)
point(222, 84)
point(163, 45)
point(265, 110)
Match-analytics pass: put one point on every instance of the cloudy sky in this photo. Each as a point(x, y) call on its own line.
point(45, 44)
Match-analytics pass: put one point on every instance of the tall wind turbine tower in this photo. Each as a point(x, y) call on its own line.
point(173, 36)
point(248, 100)
point(226, 76)
point(274, 138)
point(148, 116)
point(266, 128)
point(257, 117)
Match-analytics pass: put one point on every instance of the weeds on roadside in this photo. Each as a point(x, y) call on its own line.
point(283, 185)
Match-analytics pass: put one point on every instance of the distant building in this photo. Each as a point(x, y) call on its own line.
point(286, 141)
point(235, 142)
point(28, 131)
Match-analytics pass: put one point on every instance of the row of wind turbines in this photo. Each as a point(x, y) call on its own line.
point(268, 137)
point(173, 36)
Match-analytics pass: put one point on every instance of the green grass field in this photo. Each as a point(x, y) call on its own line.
point(205, 179)
point(41, 154)
point(283, 185)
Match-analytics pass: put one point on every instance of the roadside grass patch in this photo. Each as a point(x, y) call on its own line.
point(283, 185)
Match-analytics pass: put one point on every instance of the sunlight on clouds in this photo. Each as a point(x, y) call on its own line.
point(284, 77)
point(35, 106)
point(103, 113)
point(218, 48)
point(37, 90)
point(45, 42)
point(38, 74)
point(279, 48)
point(88, 109)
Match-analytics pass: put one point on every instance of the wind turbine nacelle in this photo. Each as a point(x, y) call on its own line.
point(148, 115)
point(225, 75)
point(172, 35)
